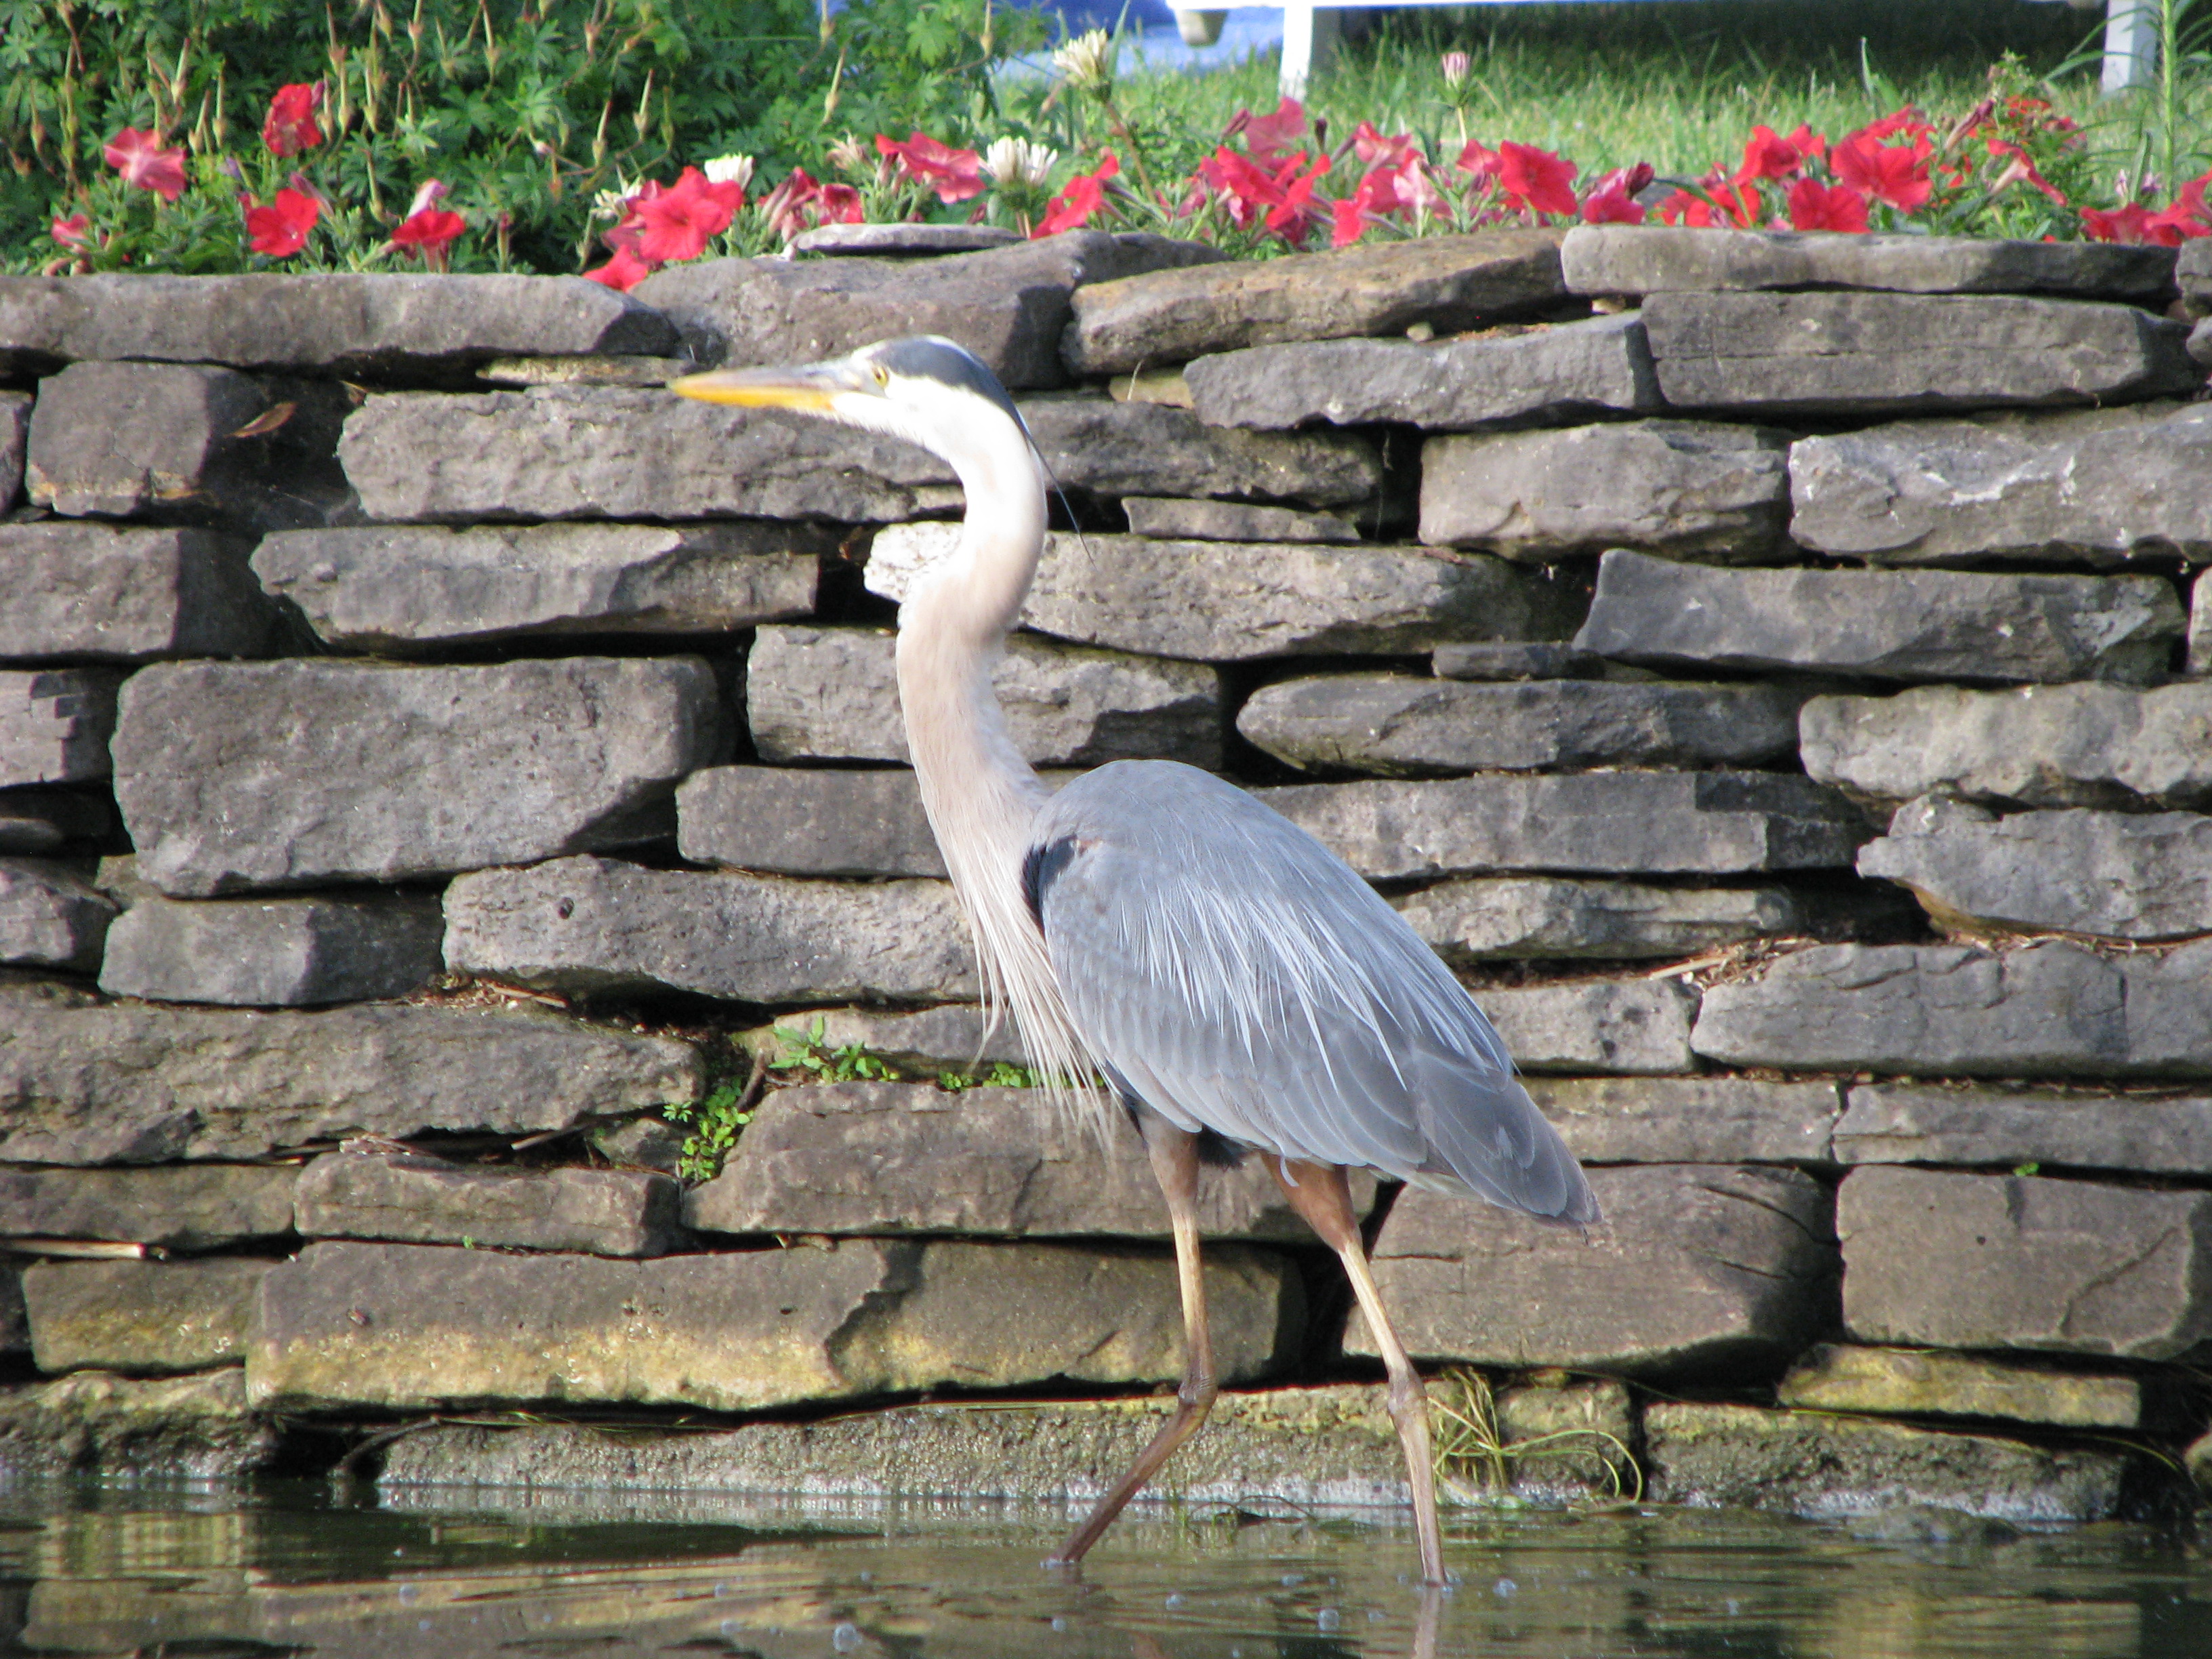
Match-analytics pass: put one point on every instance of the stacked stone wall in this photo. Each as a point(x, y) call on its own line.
point(432, 757)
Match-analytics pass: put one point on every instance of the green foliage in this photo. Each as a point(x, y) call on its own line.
point(1001, 1075)
point(805, 1051)
point(714, 1124)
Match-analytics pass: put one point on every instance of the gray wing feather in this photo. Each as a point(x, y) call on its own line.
point(1239, 977)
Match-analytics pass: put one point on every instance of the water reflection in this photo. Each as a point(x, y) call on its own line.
point(459, 1576)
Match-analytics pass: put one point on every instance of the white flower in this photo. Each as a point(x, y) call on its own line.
point(1087, 61)
point(730, 170)
point(613, 203)
point(1018, 162)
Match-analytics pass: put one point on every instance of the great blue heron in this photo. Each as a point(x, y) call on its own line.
point(1239, 987)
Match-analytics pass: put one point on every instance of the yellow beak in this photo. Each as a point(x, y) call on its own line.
point(810, 387)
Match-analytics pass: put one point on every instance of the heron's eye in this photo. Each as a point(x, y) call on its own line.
point(883, 375)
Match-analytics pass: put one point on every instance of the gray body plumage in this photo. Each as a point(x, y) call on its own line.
point(1236, 977)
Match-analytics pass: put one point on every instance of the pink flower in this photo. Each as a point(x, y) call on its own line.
point(291, 126)
point(1535, 179)
point(1816, 206)
point(2020, 169)
point(1294, 216)
point(955, 174)
point(841, 204)
point(1394, 150)
point(280, 230)
point(1611, 206)
point(1081, 196)
point(1895, 173)
point(623, 272)
point(677, 223)
point(428, 228)
point(139, 157)
point(1482, 163)
point(1266, 137)
point(76, 231)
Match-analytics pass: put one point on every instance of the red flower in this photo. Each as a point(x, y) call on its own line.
point(838, 205)
point(1294, 217)
point(955, 174)
point(1895, 173)
point(2020, 168)
point(1904, 119)
point(1611, 206)
point(1684, 208)
point(1769, 155)
point(677, 223)
point(139, 157)
point(291, 126)
point(76, 231)
point(1080, 197)
point(1535, 179)
point(1248, 188)
point(429, 231)
point(623, 272)
point(1482, 163)
point(1392, 150)
point(2127, 223)
point(280, 230)
point(1266, 137)
point(1816, 206)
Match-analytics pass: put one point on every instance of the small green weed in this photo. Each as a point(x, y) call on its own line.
point(1002, 1075)
point(713, 1124)
point(805, 1051)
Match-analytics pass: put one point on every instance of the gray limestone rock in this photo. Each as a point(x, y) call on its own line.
point(125, 1083)
point(2019, 1262)
point(199, 1207)
point(426, 1200)
point(849, 242)
point(1113, 448)
point(1521, 659)
point(1863, 354)
point(2200, 626)
point(405, 588)
point(196, 1429)
point(139, 1317)
point(1836, 1376)
point(2006, 1128)
point(284, 774)
point(1231, 601)
point(1690, 1120)
point(1688, 490)
point(1886, 625)
point(351, 324)
point(2101, 488)
point(406, 1326)
point(612, 370)
point(49, 918)
point(48, 820)
point(1639, 1026)
point(792, 822)
point(1602, 259)
point(1826, 1466)
point(168, 440)
point(1508, 918)
point(1395, 725)
point(1602, 823)
point(1007, 305)
point(1697, 1268)
point(15, 433)
point(1169, 518)
point(589, 925)
point(1450, 282)
point(952, 1036)
point(289, 952)
point(2044, 745)
point(2200, 343)
point(872, 1157)
point(1550, 373)
point(832, 694)
point(55, 723)
point(129, 593)
point(2139, 876)
point(2193, 271)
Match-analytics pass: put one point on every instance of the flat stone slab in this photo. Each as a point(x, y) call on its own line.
point(861, 241)
point(289, 953)
point(1549, 373)
point(2193, 272)
point(14, 433)
point(1519, 918)
point(197, 1207)
point(347, 323)
point(1116, 449)
point(1450, 282)
point(104, 593)
point(1690, 1120)
point(1639, 1026)
point(1861, 354)
point(1886, 624)
point(2022, 1262)
point(1233, 602)
point(49, 917)
point(1602, 823)
point(2200, 628)
point(55, 723)
point(2047, 1010)
point(426, 1201)
point(788, 822)
point(2086, 744)
point(195, 1429)
point(1695, 1268)
point(2101, 487)
point(402, 588)
point(407, 1327)
point(589, 925)
point(871, 1157)
point(124, 1083)
point(139, 1317)
point(2142, 876)
point(1688, 490)
point(1008, 305)
point(1521, 659)
point(1825, 1466)
point(1166, 518)
point(1396, 725)
point(832, 694)
point(1917, 1382)
point(1606, 260)
point(2007, 1129)
point(287, 774)
point(952, 1037)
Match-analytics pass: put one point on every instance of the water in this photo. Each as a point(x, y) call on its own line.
point(288, 1572)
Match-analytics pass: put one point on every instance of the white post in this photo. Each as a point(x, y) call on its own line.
point(1310, 36)
point(2130, 43)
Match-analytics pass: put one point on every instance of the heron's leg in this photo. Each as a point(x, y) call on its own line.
point(1319, 1192)
point(1175, 1161)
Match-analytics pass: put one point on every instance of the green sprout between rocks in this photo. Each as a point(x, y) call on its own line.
point(1475, 1463)
point(714, 1124)
point(806, 1051)
point(1003, 1074)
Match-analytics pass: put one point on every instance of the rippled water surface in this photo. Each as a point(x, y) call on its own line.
point(291, 1573)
